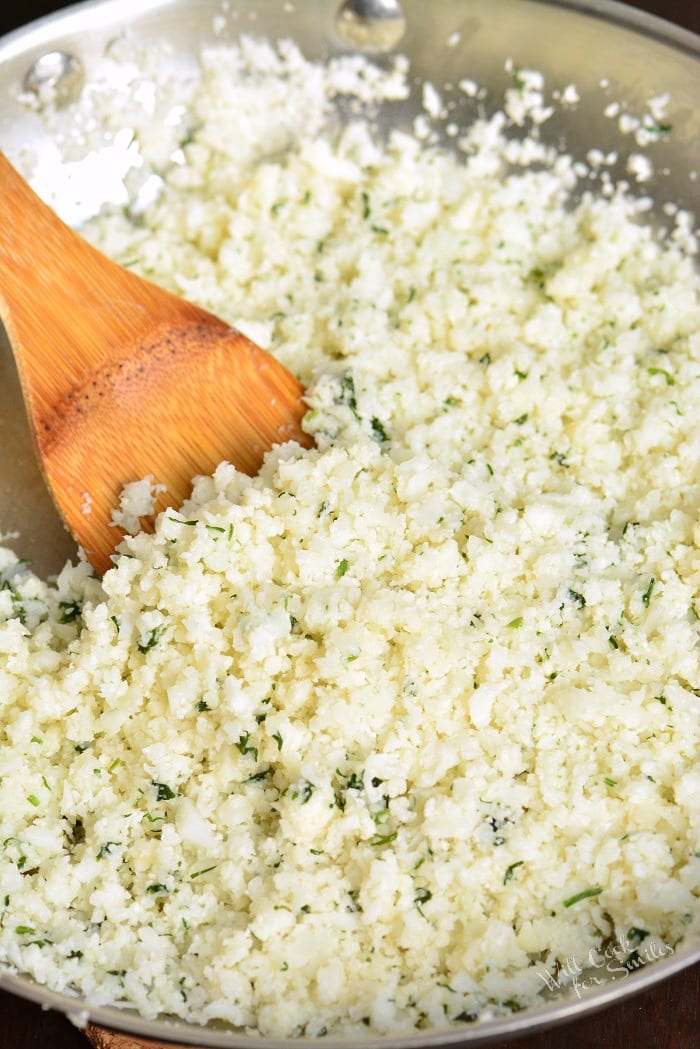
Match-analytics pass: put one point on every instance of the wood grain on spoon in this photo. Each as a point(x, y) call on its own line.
point(123, 380)
point(102, 1038)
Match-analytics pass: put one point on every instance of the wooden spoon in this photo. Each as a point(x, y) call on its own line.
point(102, 1038)
point(123, 380)
point(106, 1038)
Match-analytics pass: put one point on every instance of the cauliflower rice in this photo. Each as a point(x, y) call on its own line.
point(384, 737)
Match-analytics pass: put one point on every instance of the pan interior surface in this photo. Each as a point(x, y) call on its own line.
point(599, 62)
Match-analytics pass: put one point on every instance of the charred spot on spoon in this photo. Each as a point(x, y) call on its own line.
point(55, 79)
point(371, 25)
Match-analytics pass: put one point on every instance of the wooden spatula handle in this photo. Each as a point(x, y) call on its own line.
point(102, 1038)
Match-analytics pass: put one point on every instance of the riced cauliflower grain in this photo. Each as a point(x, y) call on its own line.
point(378, 739)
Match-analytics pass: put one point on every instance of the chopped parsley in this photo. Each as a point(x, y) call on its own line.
point(384, 839)
point(107, 848)
point(577, 598)
point(378, 430)
point(670, 381)
point(245, 747)
point(585, 895)
point(204, 870)
point(151, 641)
point(646, 596)
point(347, 394)
point(510, 871)
point(70, 611)
point(420, 897)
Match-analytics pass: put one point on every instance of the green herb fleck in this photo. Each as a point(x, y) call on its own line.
point(245, 748)
point(670, 381)
point(356, 781)
point(258, 776)
point(658, 128)
point(384, 839)
point(518, 82)
point(510, 871)
point(378, 430)
point(70, 611)
point(347, 394)
point(189, 524)
point(646, 596)
point(106, 849)
point(585, 895)
point(151, 640)
point(420, 897)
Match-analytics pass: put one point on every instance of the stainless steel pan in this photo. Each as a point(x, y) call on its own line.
point(609, 51)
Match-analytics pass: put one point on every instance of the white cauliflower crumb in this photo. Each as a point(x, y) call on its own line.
point(136, 501)
point(432, 102)
point(640, 167)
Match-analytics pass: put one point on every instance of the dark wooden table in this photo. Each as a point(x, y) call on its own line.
point(665, 1017)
